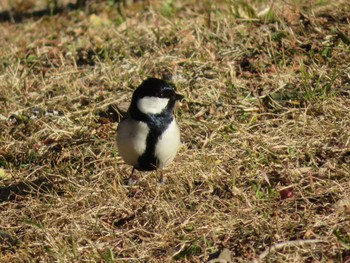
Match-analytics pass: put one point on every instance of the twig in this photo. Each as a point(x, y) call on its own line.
point(288, 244)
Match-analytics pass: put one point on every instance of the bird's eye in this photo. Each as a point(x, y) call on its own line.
point(166, 94)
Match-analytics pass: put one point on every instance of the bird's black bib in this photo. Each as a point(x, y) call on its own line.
point(157, 124)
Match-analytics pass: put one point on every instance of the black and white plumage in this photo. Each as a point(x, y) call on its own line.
point(149, 137)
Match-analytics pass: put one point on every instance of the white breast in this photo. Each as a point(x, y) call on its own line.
point(168, 144)
point(152, 105)
point(131, 140)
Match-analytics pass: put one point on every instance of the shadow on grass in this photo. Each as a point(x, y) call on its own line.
point(33, 188)
point(113, 113)
point(18, 17)
point(10, 16)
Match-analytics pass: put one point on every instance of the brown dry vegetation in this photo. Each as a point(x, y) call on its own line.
point(265, 161)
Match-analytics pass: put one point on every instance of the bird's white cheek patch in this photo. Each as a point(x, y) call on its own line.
point(152, 105)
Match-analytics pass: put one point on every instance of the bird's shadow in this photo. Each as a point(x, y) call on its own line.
point(113, 113)
point(39, 186)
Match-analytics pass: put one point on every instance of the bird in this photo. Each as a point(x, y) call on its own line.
point(149, 137)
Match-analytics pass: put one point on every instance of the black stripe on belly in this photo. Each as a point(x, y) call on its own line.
point(157, 125)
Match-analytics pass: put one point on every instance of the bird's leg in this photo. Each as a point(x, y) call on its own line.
point(132, 180)
point(163, 180)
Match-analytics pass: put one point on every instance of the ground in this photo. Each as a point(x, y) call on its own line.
point(264, 169)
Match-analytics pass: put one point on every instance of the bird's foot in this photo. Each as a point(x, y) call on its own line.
point(163, 180)
point(132, 181)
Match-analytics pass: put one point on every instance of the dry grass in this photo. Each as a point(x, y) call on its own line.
point(264, 169)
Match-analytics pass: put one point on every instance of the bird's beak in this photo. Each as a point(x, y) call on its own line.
point(178, 96)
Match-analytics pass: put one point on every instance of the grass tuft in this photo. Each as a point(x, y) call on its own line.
point(263, 172)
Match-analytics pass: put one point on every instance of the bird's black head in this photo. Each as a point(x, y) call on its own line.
point(153, 87)
point(154, 96)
